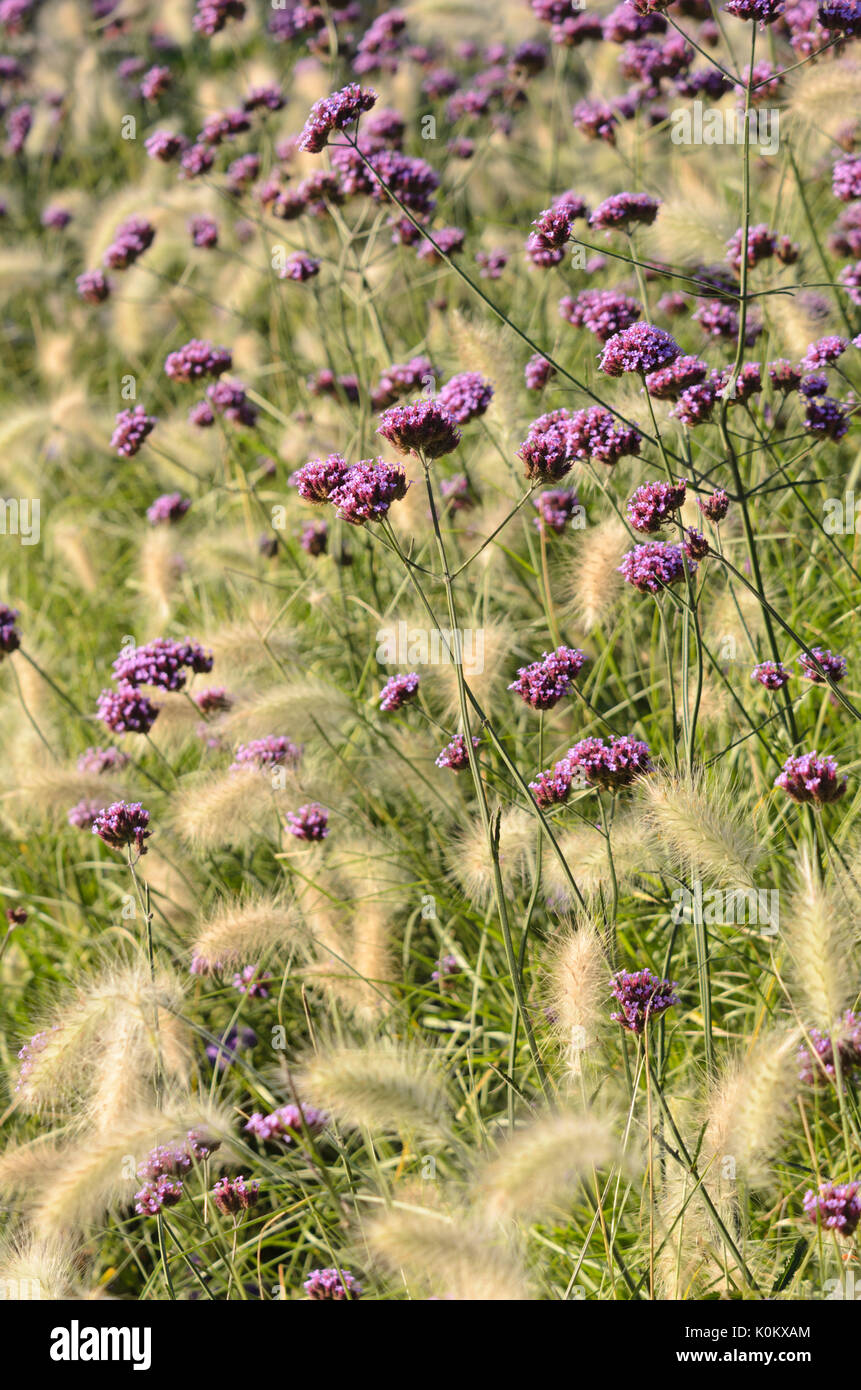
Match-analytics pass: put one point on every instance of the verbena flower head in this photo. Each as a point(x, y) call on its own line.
point(368, 489)
point(654, 503)
point(604, 312)
point(668, 383)
point(617, 763)
point(10, 637)
point(337, 1284)
point(158, 1195)
point(252, 981)
point(625, 210)
point(846, 178)
point(465, 397)
point(818, 1064)
point(285, 1124)
point(835, 1206)
point(544, 683)
point(131, 240)
point(425, 428)
point(455, 755)
point(642, 997)
point(93, 286)
point(211, 16)
point(101, 760)
point(314, 538)
point(197, 359)
point(131, 428)
point(310, 822)
point(556, 509)
point(170, 507)
point(640, 348)
point(832, 664)
point(398, 691)
point(317, 479)
point(334, 112)
point(537, 372)
point(275, 750)
point(761, 246)
point(126, 710)
point(784, 375)
point(233, 1195)
point(300, 267)
point(824, 353)
point(809, 778)
point(761, 11)
point(715, 507)
point(651, 567)
point(770, 674)
point(162, 662)
point(84, 813)
point(123, 823)
point(826, 417)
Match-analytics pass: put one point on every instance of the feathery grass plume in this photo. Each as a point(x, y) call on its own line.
point(594, 584)
point(67, 539)
point(701, 827)
point(820, 932)
point(576, 987)
point(488, 649)
point(733, 622)
point(258, 642)
point(694, 222)
point(470, 860)
point(52, 790)
point(373, 959)
point(747, 1112)
point(818, 98)
point(302, 708)
point(381, 1084)
point(686, 1265)
point(539, 1168)
point(102, 1046)
point(172, 882)
point(160, 567)
point(23, 266)
point(368, 869)
point(484, 346)
point(242, 929)
point(635, 853)
point(95, 1173)
point(37, 1269)
point(456, 1255)
point(211, 810)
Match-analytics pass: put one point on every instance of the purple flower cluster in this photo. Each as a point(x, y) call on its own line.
point(809, 778)
point(593, 763)
point(332, 1284)
point(715, 507)
point(211, 16)
point(557, 440)
point(398, 691)
point(93, 286)
point(99, 760)
point(310, 822)
point(465, 397)
point(456, 754)
point(130, 241)
point(197, 359)
point(251, 981)
point(161, 662)
point(424, 428)
point(642, 997)
point(835, 1206)
point(233, 1195)
point(538, 372)
point(334, 112)
point(651, 567)
point(170, 507)
point(625, 210)
point(761, 246)
point(556, 509)
point(131, 428)
point(275, 750)
point(401, 379)
point(123, 823)
point(544, 683)
point(604, 312)
point(826, 417)
point(640, 348)
point(10, 637)
point(286, 1124)
point(833, 665)
point(653, 504)
point(125, 710)
point(819, 1063)
point(770, 674)
point(668, 383)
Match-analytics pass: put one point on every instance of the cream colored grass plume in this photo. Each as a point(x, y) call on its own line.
point(210, 810)
point(541, 1168)
point(702, 828)
point(595, 584)
point(636, 853)
point(748, 1109)
point(101, 1051)
point(576, 986)
point(380, 1084)
point(471, 863)
point(454, 1255)
point(245, 928)
point(95, 1173)
point(820, 932)
point(36, 1269)
point(302, 708)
